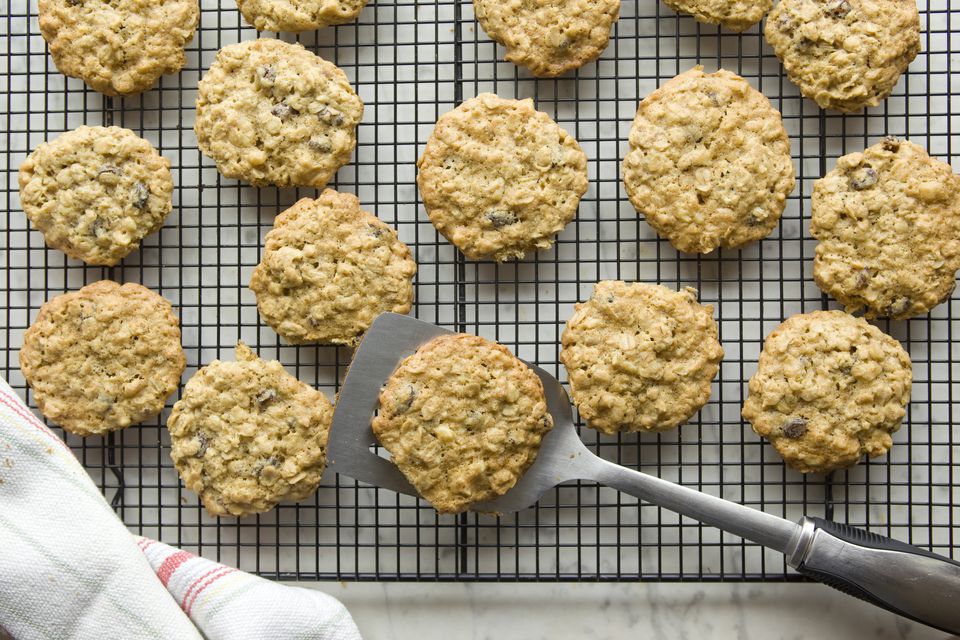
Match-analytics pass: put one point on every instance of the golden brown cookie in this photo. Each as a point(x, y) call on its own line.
point(640, 357)
point(844, 54)
point(103, 358)
point(549, 38)
point(118, 47)
point(888, 222)
point(329, 268)
point(709, 162)
point(298, 15)
point(96, 192)
point(829, 388)
point(499, 178)
point(736, 15)
point(463, 419)
point(270, 112)
point(247, 435)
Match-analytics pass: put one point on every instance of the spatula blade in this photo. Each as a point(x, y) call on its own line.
point(391, 338)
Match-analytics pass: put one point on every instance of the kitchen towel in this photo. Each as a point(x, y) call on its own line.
point(69, 568)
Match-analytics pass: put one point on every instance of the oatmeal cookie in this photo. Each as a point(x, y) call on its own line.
point(738, 15)
point(103, 358)
point(270, 112)
point(829, 388)
point(247, 435)
point(463, 419)
point(96, 192)
point(549, 38)
point(844, 54)
point(298, 15)
point(499, 178)
point(709, 162)
point(118, 47)
point(640, 357)
point(330, 268)
point(888, 222)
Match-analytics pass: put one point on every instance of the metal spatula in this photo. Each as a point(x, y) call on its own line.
point(891, 574)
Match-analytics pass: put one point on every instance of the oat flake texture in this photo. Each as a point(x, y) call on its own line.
point(96, 192)
point(270, 112)
point(500, 179)
point(709, 162)
point(103, 358)
point(736, 15)
point(828, 389)
point(844, 54)
point(462, 419)
point(640, 357)
point(247, 435)
point(549, 38)
point(329, 269)
point(118, 47)
point(298, 15)
point(888, 222)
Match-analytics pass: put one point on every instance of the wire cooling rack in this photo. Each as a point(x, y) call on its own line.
point(411, 61)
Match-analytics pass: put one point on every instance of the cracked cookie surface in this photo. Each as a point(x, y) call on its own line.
point(270, 112)
point(499, 178)
point(329, 269)
point(462, 419)
point(118, 47)
point(247, 435)
point(844, 54)
point(640, 357)
point(709, 162)
point(96, 192)
point(736, 15)
point(828, 389)
point(103, 358)
point(888, 225)
point(298, 15)
point(549, 38)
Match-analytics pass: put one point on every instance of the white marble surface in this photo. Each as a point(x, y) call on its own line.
point(608, 611)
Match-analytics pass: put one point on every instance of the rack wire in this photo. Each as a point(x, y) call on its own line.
point(410, 61)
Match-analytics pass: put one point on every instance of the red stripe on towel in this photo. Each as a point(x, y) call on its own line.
point(18, 408)
point(171, 564)
point(209, 582)
point(193, 585)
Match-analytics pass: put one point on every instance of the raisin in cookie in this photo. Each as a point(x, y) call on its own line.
point(709, 162)
point(463, 419)
point(829, 388)
point(270, 112)
point(499, 178)
point(330, 268)
point(103, 358)
point(844, 54)
point(247, 435)
point(549, 38)
point(640, 357)
point(298, 15)
point(95, 192)
point(118, 47)
point(888, 222)
point(736, 15)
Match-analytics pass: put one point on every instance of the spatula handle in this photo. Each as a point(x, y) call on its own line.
point(894, 575)
point(907, 580)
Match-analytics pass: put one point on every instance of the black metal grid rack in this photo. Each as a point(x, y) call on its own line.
point(410, 61)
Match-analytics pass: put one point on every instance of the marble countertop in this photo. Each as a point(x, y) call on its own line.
point(402, 611)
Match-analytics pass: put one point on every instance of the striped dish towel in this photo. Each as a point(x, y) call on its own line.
point(70, 569)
